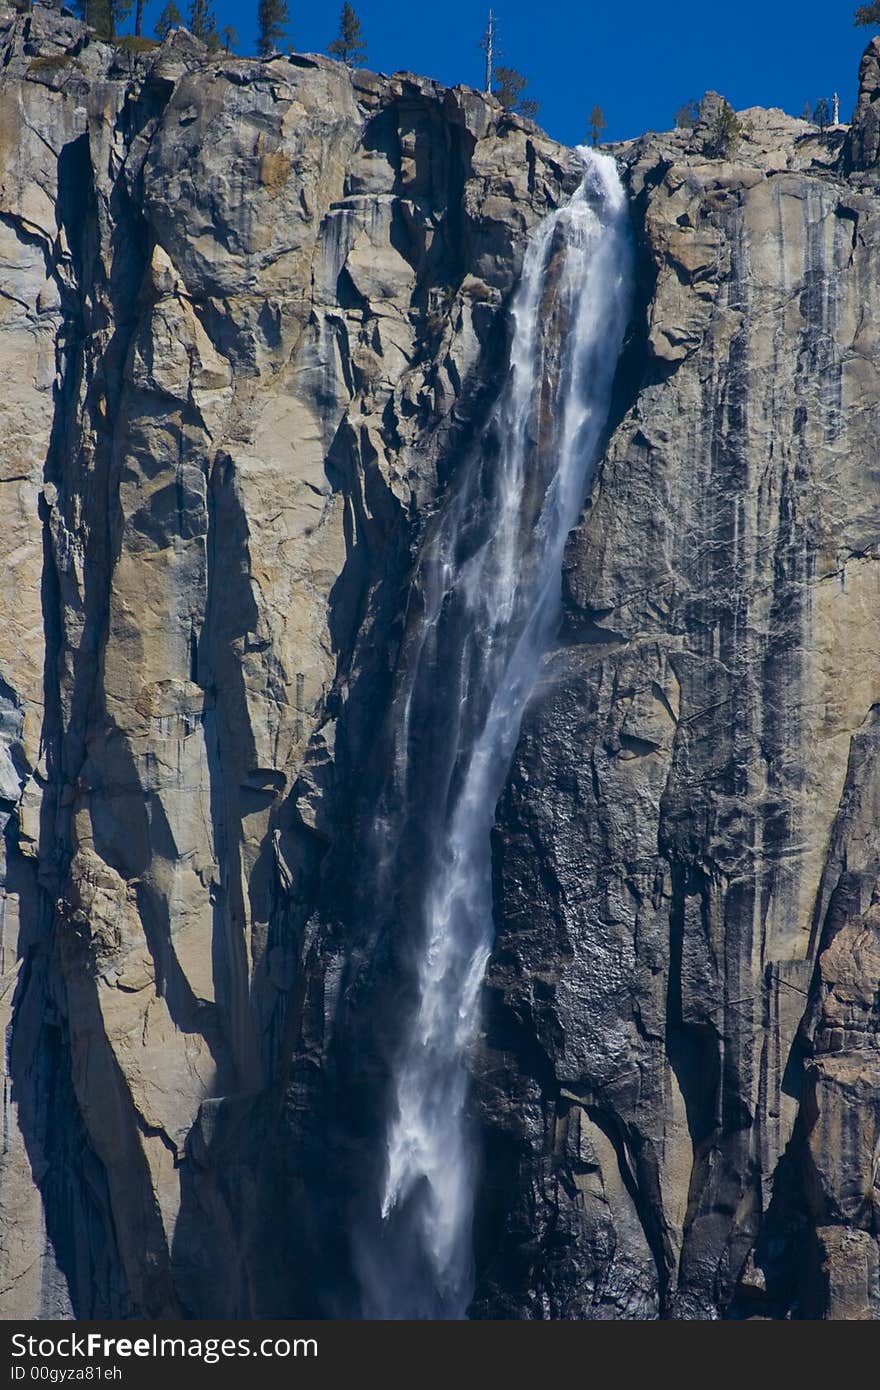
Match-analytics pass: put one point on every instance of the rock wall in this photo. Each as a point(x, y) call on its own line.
point(681, 1074)
point(249, 310)
point(251, 313)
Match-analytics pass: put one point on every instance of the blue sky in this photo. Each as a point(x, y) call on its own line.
point(638, 60)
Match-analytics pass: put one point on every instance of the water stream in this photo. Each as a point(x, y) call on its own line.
point(489, 583)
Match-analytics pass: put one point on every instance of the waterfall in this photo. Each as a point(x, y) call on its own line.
point(487, 603)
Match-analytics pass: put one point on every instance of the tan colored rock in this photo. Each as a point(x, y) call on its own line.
point(223, 418)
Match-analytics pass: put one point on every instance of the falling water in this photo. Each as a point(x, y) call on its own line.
point(489, 591)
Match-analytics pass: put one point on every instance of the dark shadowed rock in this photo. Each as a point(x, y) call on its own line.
point(689, 823)
point(863, 147)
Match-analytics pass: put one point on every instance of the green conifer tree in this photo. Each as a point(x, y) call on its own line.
point(169, 19)
point(349, 47)
point(202, 23)
point(104, 16)
point(272, 22)
point(509, 87)
point(725, 132)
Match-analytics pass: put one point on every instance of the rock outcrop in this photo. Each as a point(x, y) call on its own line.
point(252, 314)
point(864, 139)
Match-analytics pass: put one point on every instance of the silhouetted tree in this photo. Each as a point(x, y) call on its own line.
point(104, 16)
point(202, 22)
point(272, 19)
point(169, 19)
point(868, 14)
point(349, 47)
point(229, 37)
point(598, 123)
point(822, 114)
point(686, 116)
point(509, 87)
point(807, 113)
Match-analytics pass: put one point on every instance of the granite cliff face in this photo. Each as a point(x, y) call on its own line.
point(252, 313)
point(681, 1070)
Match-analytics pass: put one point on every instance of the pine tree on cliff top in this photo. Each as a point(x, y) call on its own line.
point(509, 87)
point(272, 19)
point(869, 14)
point(104, 16)
point(202, 22)
point(725, 132)
point(349, 47)
point(169, 19)
point(598, 124)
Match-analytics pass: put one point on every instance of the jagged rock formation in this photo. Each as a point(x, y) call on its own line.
point(864, 142)
point(252, 313)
